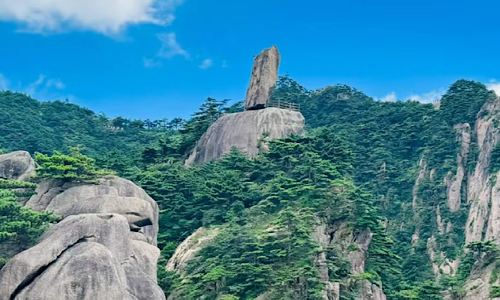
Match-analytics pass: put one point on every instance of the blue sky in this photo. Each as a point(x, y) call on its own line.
point(162, 58)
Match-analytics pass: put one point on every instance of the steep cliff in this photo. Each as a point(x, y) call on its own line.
point(339, 246)
point(247, 131)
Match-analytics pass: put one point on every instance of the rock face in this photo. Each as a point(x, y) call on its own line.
point(263, 80)
point(454, 182)
point(16, 166)
point(189, 248)
point(244, 131)
point(341, 239)
point(112, 195)
point(104, 248)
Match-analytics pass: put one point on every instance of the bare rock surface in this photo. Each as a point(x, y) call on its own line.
point(263, 80)
point(244, 131)
point(18, 165)
point(189, 248)
point(104, 248)
point(454, 184)
point(111, 195)
point(354, 247)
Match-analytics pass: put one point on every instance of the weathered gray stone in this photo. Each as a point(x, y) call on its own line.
point(146, 257)
point(244, 131)
point(86, 271)
point(137, 211)
point(86, 256)
point(17, 166)
point(141, 286)
point(263, 80)
point(111, 195)
point(104, 248)
point(454, 182)
point(348, 244)
point(189, 248)
point(107, 230)
point(370, 291)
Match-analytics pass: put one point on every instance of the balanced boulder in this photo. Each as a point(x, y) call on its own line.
point(263, 80)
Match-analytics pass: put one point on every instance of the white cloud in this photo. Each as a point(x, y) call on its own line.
point(391, 97)
point(103, 16)
point(169, 48)
point(207, 63)
point(494, 86)
point(429, 97)
point(424, 98)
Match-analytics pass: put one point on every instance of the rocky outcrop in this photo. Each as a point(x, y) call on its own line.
point(245, 131)
point(17, 165)
point(249, 131)
point(454, 182)
point(111, 195)
point(480, 188)
point(443, 265)
point(104, 248)
point(354, 247)
point(263, 80)
point(189, 248)
point(478, 285)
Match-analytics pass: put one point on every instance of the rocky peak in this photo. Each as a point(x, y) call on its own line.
point(245, 130)
point(263, 79)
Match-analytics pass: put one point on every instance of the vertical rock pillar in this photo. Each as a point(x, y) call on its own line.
point(263, 80)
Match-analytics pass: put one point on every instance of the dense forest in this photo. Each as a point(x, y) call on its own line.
point(356, 166)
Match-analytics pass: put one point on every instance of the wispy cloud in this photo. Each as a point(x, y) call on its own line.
point(391, 97)
point(108, 17)
point(55, 83)
point(428, 97)
point(169, 48)
point(225, 64)
point(494, 85)
point(207, 63)
point(42, 88)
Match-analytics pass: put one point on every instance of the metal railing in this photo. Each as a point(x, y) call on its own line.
point(284, 105)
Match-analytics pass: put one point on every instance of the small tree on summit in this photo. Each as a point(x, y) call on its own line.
point(72, 167)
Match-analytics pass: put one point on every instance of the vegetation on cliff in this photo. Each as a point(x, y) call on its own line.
point(357, 165)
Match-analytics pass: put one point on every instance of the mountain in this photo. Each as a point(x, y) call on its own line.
point(372, 200)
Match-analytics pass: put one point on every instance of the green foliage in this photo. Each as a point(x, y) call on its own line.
point(463, 100)
point(12, 184)
point(487, 248)
point(356, 166)
point(495, 160)
point(207, 114)
point(20, 227)
point(428, 290)
point(43, 127)
point(494, 291)
point(72, 167)
point(245, 261)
